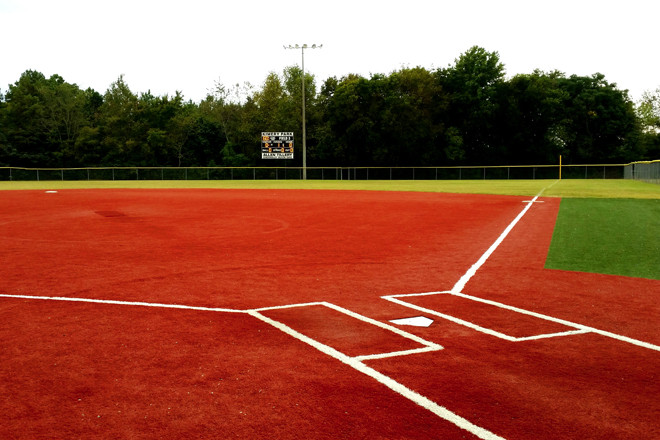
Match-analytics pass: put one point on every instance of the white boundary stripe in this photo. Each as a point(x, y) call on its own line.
point(428, 346)
point(565, 322)
point(390, 383)
point(580, 328)
point(287, 306)
point(395, 353)
point(393, 329)
point(452, 319)
point(460, 284)
point(123, 303)
point(354, 362)
point(553, 335)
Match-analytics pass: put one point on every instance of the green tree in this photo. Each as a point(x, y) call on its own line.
point(118, 127)
point(472, 84)
point(530, 119)
point(648, 111)
point(42, 120)
point(600, 121)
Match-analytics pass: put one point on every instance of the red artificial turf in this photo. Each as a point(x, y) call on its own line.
point(109, 371)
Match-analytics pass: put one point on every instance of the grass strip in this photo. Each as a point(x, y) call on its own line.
point(608, 236)
point(596, 188)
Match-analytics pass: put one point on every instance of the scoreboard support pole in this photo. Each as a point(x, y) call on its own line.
point(304, 132)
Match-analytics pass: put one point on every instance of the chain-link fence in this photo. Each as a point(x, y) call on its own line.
point(532, 172)
point(646, 171)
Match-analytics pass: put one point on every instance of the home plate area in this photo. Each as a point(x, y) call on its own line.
point(415, 321)
point(499, 320)
point(351, 334)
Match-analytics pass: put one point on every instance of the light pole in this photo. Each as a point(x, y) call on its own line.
point(304, 133)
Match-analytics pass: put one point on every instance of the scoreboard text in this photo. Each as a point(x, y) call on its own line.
point(277, 145)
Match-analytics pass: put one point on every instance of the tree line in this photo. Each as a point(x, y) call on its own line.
point(466, 113)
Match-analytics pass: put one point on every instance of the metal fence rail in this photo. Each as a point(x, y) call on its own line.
point(511, 172)
point(646, 171)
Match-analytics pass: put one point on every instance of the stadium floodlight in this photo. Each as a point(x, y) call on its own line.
point(304, 133)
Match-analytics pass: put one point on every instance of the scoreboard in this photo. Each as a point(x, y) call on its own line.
point(277, 145)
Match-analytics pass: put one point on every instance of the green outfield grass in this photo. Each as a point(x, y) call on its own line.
point(564, 188)
point(609, 236)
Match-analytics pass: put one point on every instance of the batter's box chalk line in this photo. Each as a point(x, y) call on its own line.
point(577, 328)
point(426, 345)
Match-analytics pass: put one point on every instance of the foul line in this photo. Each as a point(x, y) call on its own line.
point(457, 290)
point(356, 362)
point(460, 284)
point(123, 303)
point(390, 383)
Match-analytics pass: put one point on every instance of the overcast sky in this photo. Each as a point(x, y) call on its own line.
point(188, 45)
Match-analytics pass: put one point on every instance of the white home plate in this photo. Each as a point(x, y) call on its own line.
point(51, 192)
point(416, 321)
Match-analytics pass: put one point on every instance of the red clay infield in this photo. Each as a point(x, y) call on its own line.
point(131, 370)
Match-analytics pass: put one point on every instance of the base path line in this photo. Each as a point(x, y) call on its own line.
point(460, 284)
point(122, 303)
point(390, 383)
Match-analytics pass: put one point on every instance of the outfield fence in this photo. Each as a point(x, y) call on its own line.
point(591, 171)
point(646, 171)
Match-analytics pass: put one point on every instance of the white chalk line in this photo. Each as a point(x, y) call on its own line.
point(123, 303)
point(390, 383)
point(427, 345)
point(356, 362)
point(579, 328)
point(460, 285)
